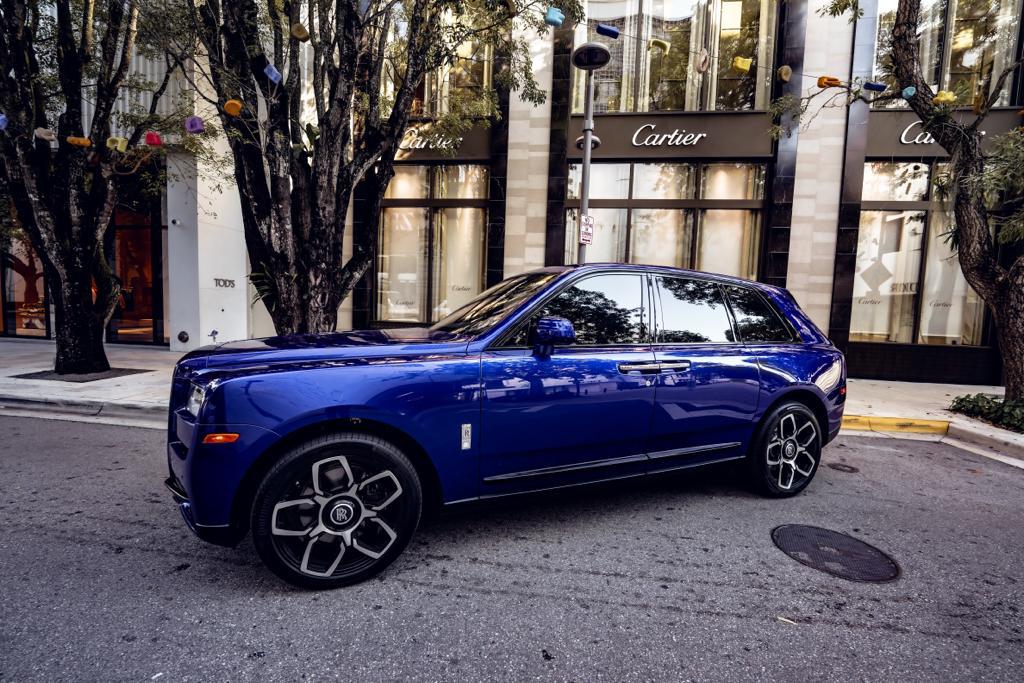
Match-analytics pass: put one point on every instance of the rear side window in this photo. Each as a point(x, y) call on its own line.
point(691, 312)
point(756, 319)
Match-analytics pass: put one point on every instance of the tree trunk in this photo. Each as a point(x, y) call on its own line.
point(1009, 318)
point(79, 331)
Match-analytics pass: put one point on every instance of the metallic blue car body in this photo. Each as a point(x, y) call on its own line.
point(534, 422)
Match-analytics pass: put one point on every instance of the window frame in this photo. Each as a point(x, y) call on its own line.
point(433, 206)
point(503, 342)
point(692, 208)
point(931, 203)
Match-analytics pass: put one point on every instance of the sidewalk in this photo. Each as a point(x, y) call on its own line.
point(909, 409)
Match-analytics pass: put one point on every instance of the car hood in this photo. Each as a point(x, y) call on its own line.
point(328, 347)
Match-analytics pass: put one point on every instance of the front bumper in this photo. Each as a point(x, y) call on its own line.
point(205, 480)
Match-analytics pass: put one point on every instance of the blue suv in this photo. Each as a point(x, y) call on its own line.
point(329, 447)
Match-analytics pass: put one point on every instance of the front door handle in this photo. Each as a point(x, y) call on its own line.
point(642, 368)
point(675, 366)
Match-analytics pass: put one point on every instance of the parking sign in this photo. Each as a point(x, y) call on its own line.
point(587, 230)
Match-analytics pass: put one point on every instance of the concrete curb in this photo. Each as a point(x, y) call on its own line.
point(84, 409)
point(895, 424)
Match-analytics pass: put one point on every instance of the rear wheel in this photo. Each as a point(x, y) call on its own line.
point(336, 510)
point(786, 451)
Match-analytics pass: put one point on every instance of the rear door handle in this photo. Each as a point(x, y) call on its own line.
point(642, 368)
point(675, 366)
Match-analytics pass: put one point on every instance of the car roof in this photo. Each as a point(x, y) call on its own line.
point(667, 270)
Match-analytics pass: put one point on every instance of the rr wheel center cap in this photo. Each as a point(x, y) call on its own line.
point(342, 514)
point(789, 450)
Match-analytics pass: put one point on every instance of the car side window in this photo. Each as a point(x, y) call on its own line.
point(692, 311)
point(604, 310)
point(756, 320)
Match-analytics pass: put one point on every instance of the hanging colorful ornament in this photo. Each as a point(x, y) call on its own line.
point(364, 6)
point(3, 122)
point(944, 97)
point(742, 63)
point(300, 32)
point(554, 17)
point(703, 60)
point(875, 87)
point(153, 139)
point(785, 73)
point(46, 134)
point(608, 30)
point(908, 92)
point(659, 43)
point(77, 141)
point(233, 107)
point(195, 125)
point(117, 144)
point(271, 72)
point(828, 82)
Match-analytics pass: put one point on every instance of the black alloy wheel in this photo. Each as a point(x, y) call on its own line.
point(336, 510)
point(786, 451)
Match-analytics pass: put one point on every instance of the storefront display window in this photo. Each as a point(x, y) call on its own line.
point(465, 79)
point(641, 77)
point(432, 239)
point(908, 285)
point(660, 214)
point(964, 45)
point(24, 289)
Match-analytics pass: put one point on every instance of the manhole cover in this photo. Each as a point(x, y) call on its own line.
point(843, 467)
point(835, 553)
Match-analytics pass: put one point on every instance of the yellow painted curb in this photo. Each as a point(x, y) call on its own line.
point(895, 424)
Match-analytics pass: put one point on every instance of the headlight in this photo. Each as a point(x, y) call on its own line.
point(195, 400)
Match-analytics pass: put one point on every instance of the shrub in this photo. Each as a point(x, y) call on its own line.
point(1006, 414)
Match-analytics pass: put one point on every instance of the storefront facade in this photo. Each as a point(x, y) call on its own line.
point(901, 306)
point(844, 211)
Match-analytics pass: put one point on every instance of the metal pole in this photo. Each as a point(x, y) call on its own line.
point(588, 136)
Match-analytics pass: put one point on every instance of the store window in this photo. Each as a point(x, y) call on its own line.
point(444, 89)
point(23, 289)
point(908, 286)
point(964, 45)
point(432, 238)
point(645, 77)
point(700, 216)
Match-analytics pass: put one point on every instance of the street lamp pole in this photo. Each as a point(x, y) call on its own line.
point(588, 138)
point(588, 57)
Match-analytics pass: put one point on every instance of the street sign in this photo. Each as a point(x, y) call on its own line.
point(586, 230)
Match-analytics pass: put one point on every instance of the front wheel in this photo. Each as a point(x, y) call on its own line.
point(336, 510)
point(785, 452)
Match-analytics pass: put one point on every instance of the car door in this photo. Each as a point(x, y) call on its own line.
point(584, 412)
point(707, 392)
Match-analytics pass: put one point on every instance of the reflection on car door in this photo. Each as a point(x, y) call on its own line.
point(708, 389)
point(582, 413)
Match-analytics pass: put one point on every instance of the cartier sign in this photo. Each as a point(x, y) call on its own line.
point(901, 133)
point(418, 145)
point(647, 135)
point(658, 135)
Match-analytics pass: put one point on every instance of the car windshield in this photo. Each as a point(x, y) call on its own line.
point(493, 305)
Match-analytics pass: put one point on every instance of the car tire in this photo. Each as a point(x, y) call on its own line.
point(336, 510)
point(785, 452)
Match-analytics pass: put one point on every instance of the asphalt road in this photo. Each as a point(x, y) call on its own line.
point(671, 579)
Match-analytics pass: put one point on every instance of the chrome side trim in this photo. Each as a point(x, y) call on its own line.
point(560, 469)
point(657, 455)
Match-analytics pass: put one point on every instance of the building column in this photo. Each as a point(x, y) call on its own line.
point(819, 171)
point(206, 258)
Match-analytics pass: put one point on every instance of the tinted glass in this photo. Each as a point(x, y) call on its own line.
point(605, 309)
point(756, 321)
point(692, 312)
point(491, 307)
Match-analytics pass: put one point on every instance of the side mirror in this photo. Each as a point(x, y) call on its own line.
point(549, 332)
